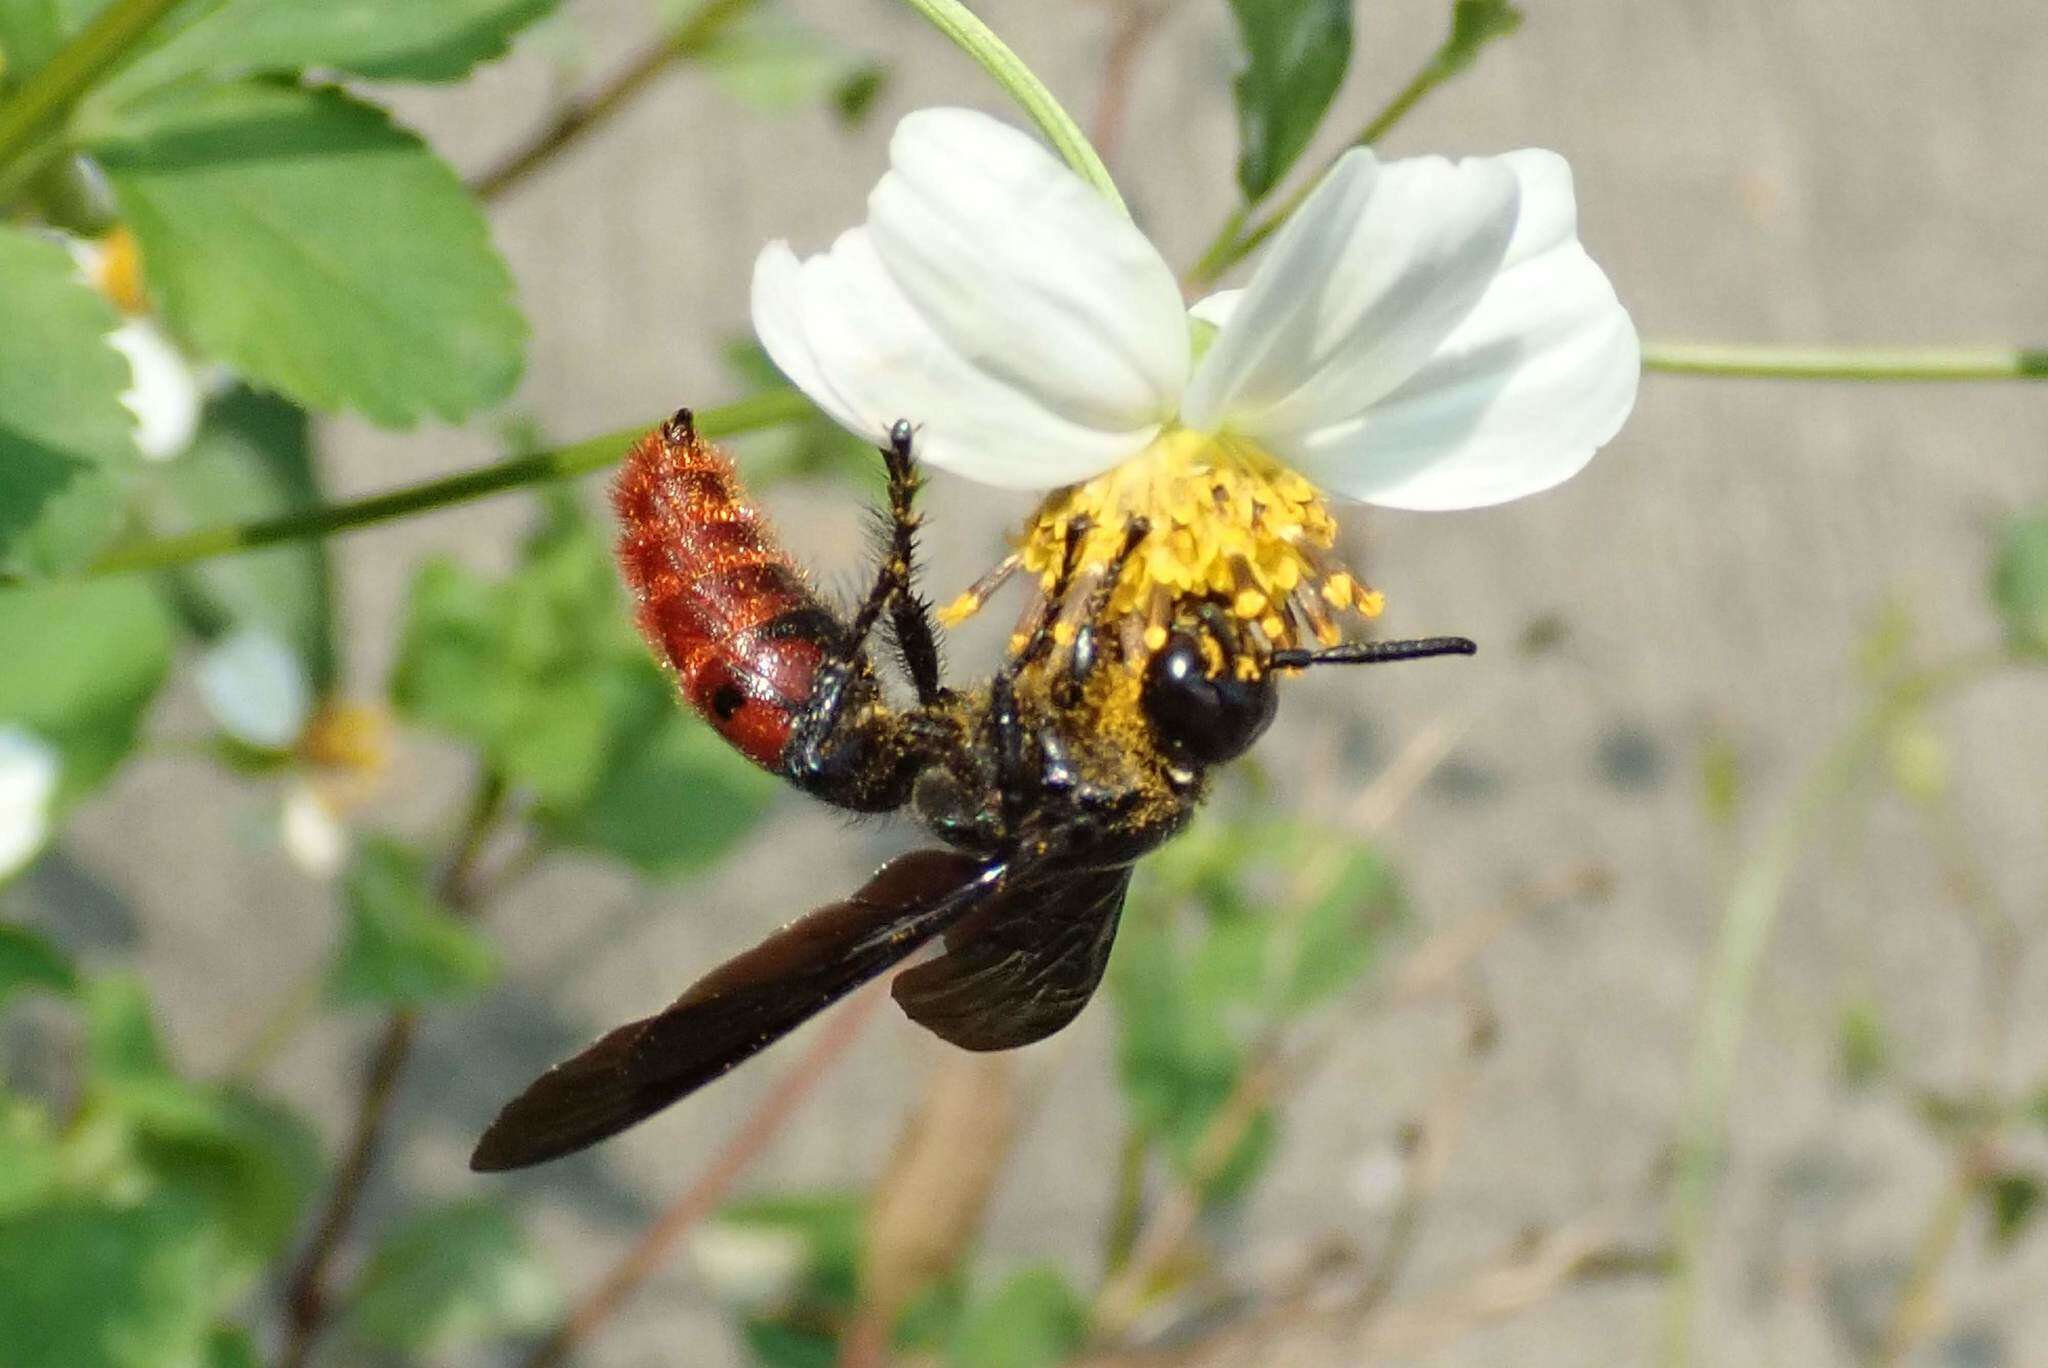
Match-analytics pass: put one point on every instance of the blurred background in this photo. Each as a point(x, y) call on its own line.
point(1747, 665)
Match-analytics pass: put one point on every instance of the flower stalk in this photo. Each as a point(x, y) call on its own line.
point(769, 409)
point(1846, 363)
point(994, 56)
point(49, 93)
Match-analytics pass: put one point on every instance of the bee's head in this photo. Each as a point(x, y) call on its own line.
point(1205, 699)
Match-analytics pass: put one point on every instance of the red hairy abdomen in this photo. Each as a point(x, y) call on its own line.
point(719, 601)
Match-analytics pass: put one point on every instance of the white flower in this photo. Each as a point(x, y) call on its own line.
point(256, 688)
point(28, 781)
point(163, 391)
point(1423, 334)
point(312, 832)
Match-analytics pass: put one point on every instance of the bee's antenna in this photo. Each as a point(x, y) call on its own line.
point(1373, 652)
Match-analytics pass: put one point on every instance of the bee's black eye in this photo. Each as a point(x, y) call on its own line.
point(1209, 720)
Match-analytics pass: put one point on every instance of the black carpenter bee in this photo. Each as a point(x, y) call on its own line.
point(1044, 784)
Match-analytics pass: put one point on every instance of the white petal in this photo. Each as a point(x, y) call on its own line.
point(163, 392)
point(28, 781)
point(1217, 309)
point(1356, 292)
point(996, 301)
point(1028, 272)
point(1520, 395)
point(256, 688)
point(313, 835)
point(843, 332)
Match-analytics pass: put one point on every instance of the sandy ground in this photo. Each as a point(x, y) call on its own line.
point(1747, 170)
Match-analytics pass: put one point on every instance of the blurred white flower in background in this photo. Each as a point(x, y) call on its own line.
point(28, 784)
point(256, 688)
point(165, 393)
point(1423, 334)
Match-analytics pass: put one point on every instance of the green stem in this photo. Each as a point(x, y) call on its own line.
point(595, 453)
point(1847, 363)
point(978, 41)
point(1754, 904)
point(1233, 244)
point(690, 38)
point(50, 92)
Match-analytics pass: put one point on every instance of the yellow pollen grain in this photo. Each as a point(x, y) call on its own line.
point(1372, 603)
point(959, 610)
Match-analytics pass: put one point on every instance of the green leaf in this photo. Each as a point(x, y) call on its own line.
point(252, 1165)
point(401, 947)
point(2019, 584)
point(523, 668)
point(93, 1284)
point(393, 40)
point(79, 665)
point(1338, 936)
point(231, 1347)
point(1474, 24)
point(322, 252)
point(449, 1277)
point(828, 1226)
point(1034, 1320)
point(30, 1160)
point(66, 443)
point(252, 459)
point(122, 1044)
point(2014, 1198)
point(671, 797)
point(1295, 55)
point(27, 961)
point(31, 31)
point(775, 62)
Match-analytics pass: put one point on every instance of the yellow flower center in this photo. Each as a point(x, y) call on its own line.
point(1223, 521)
point(118, 273)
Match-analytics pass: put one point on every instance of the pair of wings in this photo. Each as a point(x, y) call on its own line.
point(1024, 951)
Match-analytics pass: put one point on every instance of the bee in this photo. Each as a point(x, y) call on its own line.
point(1088, 747)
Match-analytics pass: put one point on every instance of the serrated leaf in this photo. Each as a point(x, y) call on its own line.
point(2019, 584)
point(302, 238)
point(79, 665)
point(1295, 54)
point(253, 458)
point(400, 946)
point(93, 1284)
point(672, 796)
point(1474, 24)
point(28, 961)
point(392, 40)
point(1034, 1320)
point(449, 1277)
point(66, 443)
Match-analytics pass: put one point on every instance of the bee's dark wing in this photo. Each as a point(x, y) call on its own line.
point(1022, 965)
point(738, 1009)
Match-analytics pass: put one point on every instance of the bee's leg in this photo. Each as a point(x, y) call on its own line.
point(909, 614)
point(847, 748)
point(1012, 781)
point(1087, 636)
